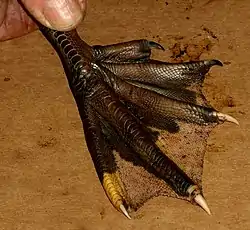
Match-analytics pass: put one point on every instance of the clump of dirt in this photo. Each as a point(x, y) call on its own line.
point(6, 79)
point(47, 141)
point(229, 102)
point(190, 49)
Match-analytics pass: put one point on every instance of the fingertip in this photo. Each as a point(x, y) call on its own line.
point(60, 15)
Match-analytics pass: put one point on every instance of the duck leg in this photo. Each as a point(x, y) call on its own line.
point(126, 101)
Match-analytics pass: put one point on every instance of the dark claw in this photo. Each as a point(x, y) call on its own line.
point(217, 62)
point(156, 45)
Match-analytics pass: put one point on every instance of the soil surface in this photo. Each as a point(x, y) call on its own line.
point(47, 178)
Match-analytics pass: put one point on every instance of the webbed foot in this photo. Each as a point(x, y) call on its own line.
point(133, 109)
point(128, 97)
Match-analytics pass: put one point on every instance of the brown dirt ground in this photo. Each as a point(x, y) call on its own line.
point(47, 179)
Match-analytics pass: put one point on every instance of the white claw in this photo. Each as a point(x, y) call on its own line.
point(225, 117)
point(124, 211)
point(199, 199)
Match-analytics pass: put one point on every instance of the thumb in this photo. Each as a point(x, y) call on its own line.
point(57, 14)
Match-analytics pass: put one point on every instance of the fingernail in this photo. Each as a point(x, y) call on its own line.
point(63, 14)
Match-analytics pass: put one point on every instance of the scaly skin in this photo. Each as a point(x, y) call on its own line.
point(120, 92)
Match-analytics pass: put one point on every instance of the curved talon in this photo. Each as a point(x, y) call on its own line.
point(156, 45)
point(226, 117)
point(199, 199)
point(195, 195)
point(213, 62)
point(124, 211)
